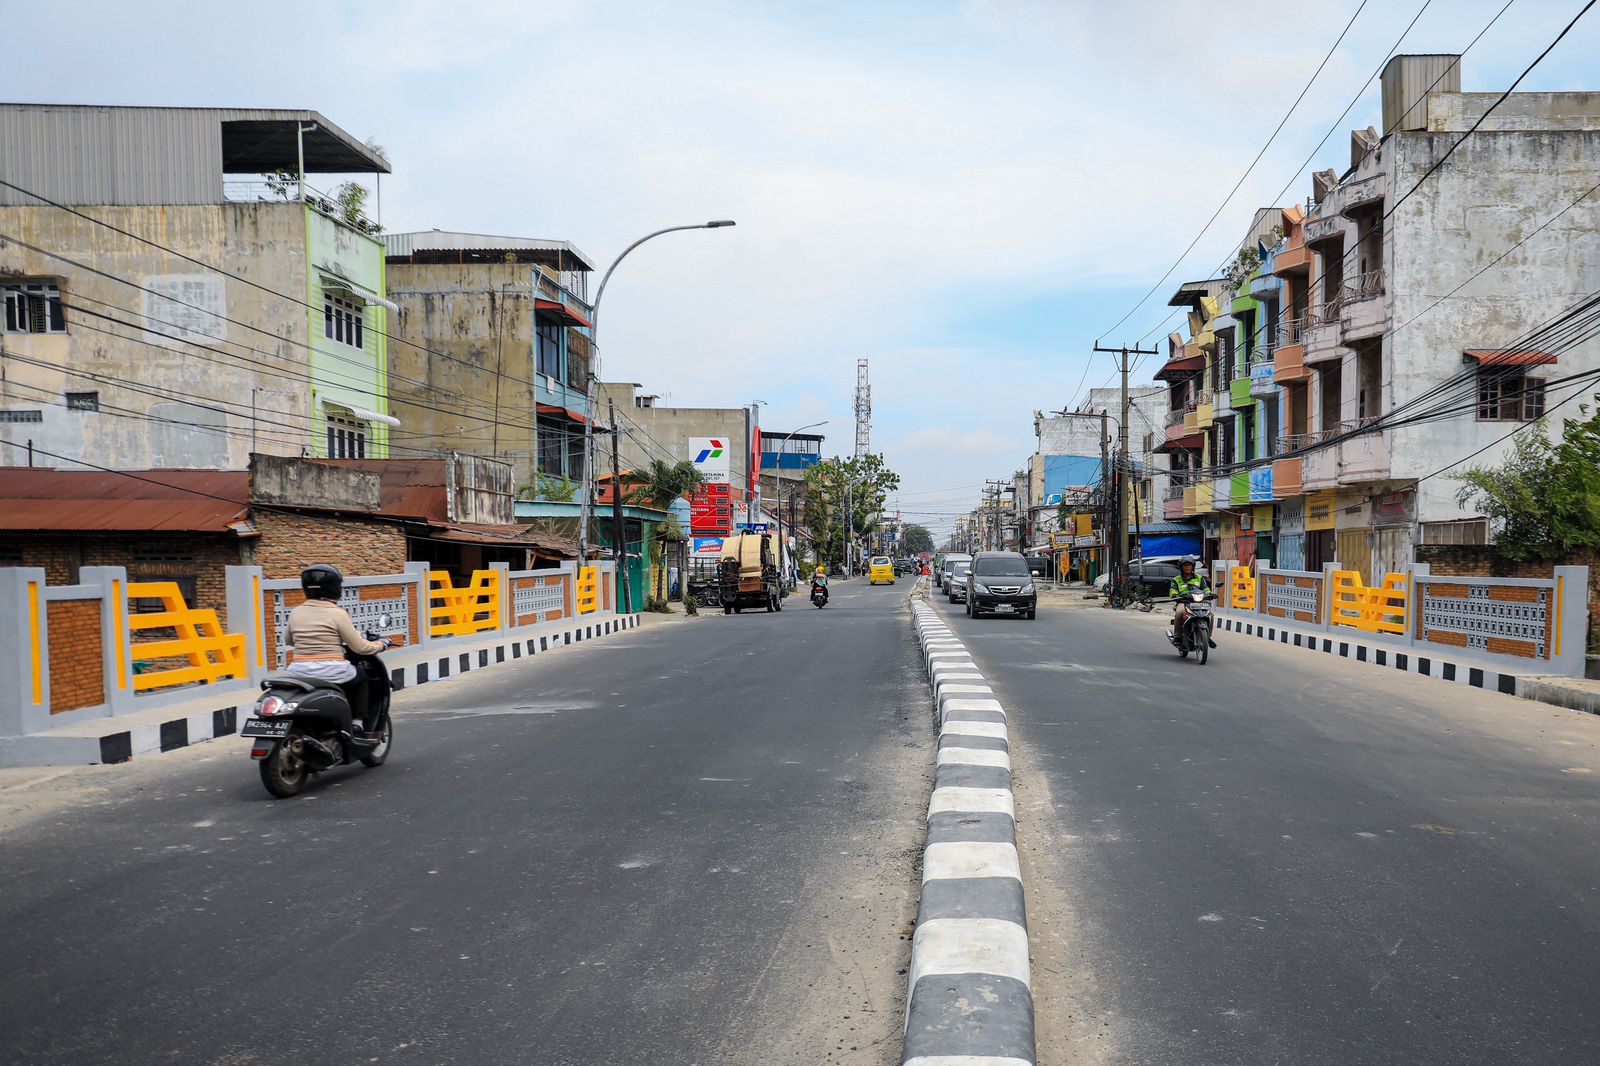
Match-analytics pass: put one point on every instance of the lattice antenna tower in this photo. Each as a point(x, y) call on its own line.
point(863, 409)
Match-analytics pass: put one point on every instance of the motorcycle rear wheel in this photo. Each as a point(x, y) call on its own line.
point(282, 773)
point(380, 755)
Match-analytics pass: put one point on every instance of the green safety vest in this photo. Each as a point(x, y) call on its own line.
point(1182, 586)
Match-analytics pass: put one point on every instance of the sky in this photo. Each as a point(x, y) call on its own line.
point(967, 193)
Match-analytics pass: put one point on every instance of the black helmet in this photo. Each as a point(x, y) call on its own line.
point(1188, 560)
point(322, 582)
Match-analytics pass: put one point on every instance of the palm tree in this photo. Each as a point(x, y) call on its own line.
point(660, 485)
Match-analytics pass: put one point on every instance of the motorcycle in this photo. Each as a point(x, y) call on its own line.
point(303, 726)
point(1195, 635)
point(819, 594)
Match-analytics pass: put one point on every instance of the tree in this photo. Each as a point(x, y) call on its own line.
point(915, 539)
point(661, 484)
point(1544, 499)
point(866, 481)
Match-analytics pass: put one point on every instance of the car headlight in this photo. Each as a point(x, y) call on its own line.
point(1027, 590)
point(979, 587)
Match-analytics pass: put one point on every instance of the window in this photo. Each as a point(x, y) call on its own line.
point(552, 446)
point(161, 563)
point(1509, 396)
point(547, 338)
point(1459, 531)
point(34, 307)
point(83, 401)
point(1247, 434)
point(347, 438)
point(341, 320)
point(21, 416)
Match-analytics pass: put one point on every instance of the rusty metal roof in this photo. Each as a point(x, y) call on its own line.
point(148, 501)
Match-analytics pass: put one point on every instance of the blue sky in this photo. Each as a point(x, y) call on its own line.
point(967, 192)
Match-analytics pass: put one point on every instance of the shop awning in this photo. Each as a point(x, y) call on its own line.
point(1177, 368)
point(1194, 440)
point(1495, 357)
point(560, 310)
point(565, 412)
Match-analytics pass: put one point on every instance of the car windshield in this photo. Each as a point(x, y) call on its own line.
point(960, 570)
point(1001, 568)
point(880, 561)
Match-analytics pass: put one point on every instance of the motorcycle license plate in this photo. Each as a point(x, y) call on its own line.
point(260, 727)
point(1004, 608)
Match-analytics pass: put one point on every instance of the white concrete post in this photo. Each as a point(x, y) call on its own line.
point(506, 616)
point(24, 652)
point(1326, 621)
point(1573, 603)
point(417, 575)
point(116, 639)
point(247, 615)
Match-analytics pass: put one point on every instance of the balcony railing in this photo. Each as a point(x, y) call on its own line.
point(1327, 313)
point(1175, 418)
point(1174, 490)
point(1292, 331)
point(1364, 286)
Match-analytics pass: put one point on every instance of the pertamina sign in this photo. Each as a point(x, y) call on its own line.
point(711, 457)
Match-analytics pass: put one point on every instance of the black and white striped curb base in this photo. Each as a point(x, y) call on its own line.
point(437, 668)
point(971, 998)
point(1378, 655)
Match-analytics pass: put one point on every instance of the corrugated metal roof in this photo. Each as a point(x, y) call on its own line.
point(170, 501)
point(409, 244)
point(96, 154)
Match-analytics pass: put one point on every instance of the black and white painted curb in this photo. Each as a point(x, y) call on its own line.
point(1429, 665)
point(971, 998)
point(186, 728)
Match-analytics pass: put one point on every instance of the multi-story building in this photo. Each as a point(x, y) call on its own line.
point(1392, 315)
point(490, 351)
point(186, 297)
point(654, 430)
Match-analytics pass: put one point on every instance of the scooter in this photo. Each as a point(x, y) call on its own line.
point(819, 594)
point(303, 726)
point(1195, 635)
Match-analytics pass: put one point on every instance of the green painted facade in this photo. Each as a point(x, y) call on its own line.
point(346, 263)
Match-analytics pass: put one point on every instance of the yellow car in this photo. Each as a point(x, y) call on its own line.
point(880, 568)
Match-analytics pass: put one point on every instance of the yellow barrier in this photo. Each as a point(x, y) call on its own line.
point(588, 590)
point(212, 653)
point(1371, 610)
point(1243, 596)
point(457, 612)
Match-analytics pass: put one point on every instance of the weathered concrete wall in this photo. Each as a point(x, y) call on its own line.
point(1495, 191)
point(478, 318)
point(163, 402)
point(294, 482)
point(669, 429)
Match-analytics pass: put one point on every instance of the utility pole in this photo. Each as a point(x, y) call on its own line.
point(991, 539)
point(1120, 555)
point(621, 534)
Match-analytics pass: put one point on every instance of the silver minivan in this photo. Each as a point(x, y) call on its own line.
point(942, 578)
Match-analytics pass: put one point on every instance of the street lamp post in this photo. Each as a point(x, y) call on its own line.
point(779, 476)
point(592, 397)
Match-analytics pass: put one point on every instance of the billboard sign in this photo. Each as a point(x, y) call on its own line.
point(707, 547)
point(712, 458)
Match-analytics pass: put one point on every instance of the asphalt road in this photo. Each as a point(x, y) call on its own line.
point(690, 843)
point(1284, 858)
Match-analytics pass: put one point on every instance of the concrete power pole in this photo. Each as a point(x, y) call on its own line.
point(863, 447)
point(1123, 464)
point(992, 540)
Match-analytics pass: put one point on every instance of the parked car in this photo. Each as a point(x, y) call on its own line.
point(1157, 573)
point(1039, 566)
point(904, 567)
point(941, 574)
point(1000, 583)
point(955, 581)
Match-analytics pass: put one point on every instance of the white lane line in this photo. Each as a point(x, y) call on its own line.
point(970, 945)
point(970, 858)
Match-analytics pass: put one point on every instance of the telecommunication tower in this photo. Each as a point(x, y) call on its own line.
point(863, 409)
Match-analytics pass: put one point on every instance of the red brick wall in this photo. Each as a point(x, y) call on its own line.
point(62, 558)
point(290, 543)
point(77, 677)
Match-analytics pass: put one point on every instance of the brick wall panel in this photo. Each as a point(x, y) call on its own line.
point(77, 673)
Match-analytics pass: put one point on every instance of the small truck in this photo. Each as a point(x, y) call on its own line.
point(749, 574)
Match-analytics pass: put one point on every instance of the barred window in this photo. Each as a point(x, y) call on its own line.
point(1509, 397)
point(34, 307)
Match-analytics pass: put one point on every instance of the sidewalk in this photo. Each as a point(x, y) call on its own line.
point(217, 711)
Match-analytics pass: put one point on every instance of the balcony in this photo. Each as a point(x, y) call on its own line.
point(1321, 229)
point(1239, 393)
point(1365, 456)
point(1286, 479)
point(1221, 493)
point(1264, 284)
point(1290, 261)
point(1263, 377)
point(1239, 489)
point(1364, 193)
point(1363, 314)
point(1190, 505)
point(1323, 335)
point(1204, 412)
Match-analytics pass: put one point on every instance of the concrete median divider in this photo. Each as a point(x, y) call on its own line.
point(970, 1000)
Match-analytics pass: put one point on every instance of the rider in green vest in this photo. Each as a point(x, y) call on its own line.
point(1188, 581)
